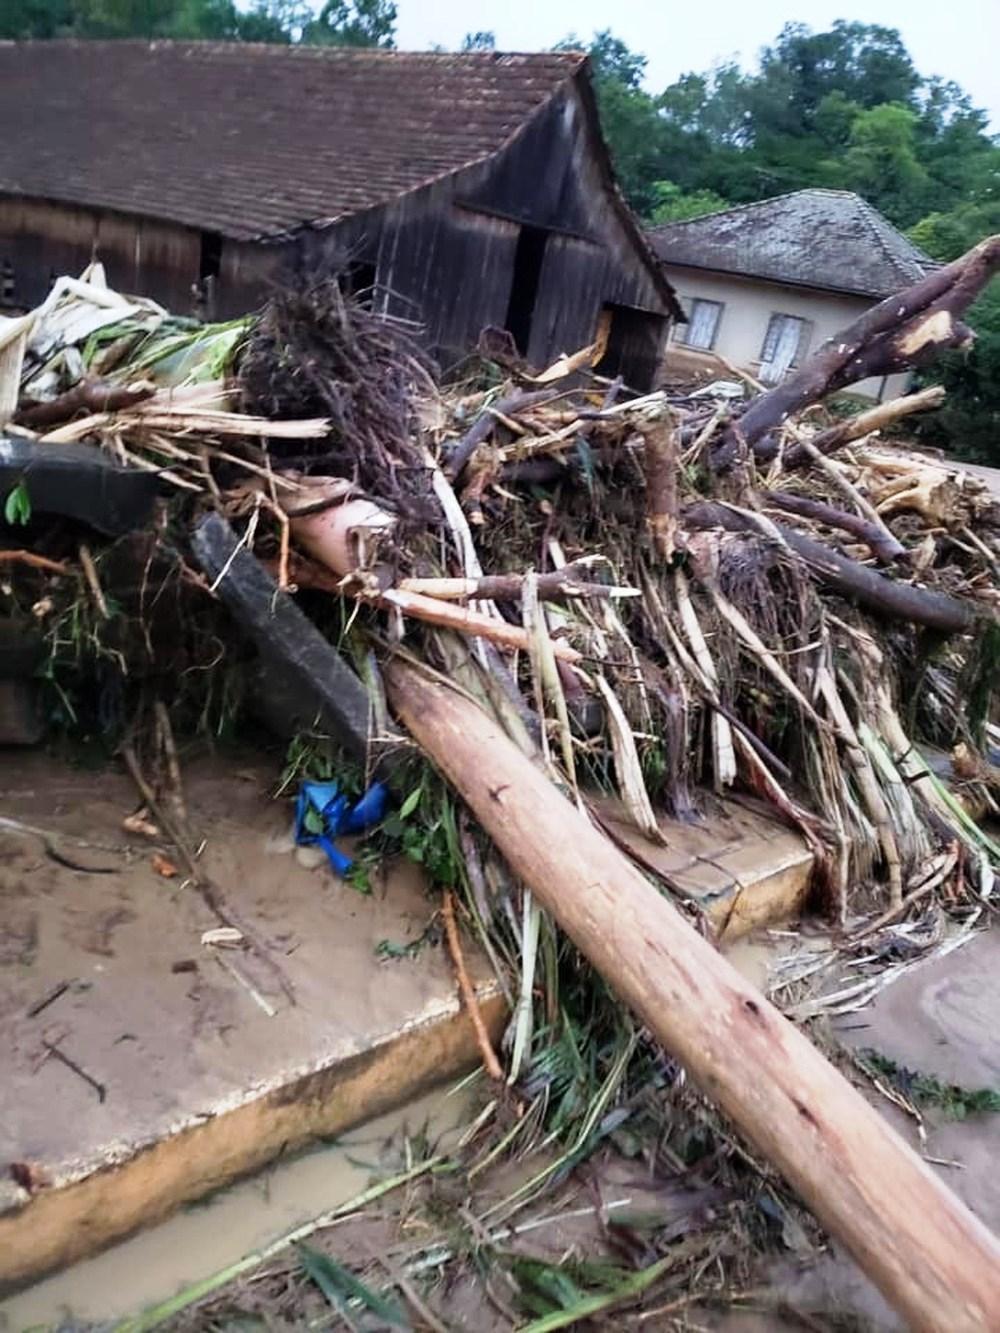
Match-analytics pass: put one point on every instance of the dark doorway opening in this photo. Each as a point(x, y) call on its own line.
point(635, 347)
point(210, 261)
point(358, 280)
point(528, 259)
point(209, 268)
point(8, 287)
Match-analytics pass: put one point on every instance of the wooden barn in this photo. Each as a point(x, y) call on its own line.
point(468, 191)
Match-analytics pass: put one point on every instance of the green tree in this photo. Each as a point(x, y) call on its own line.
point(21, 19)
point(353, 23)
point(866, 63)
point(479, 41)
point(968, 425)
point(881, 162)
point(611, 59)
point(629, 115)
point(671, 204)
point(123, 18)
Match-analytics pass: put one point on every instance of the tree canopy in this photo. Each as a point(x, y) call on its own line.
point(844, 109)
point(337, 22)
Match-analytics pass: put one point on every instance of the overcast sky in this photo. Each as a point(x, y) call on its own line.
point(958, 39)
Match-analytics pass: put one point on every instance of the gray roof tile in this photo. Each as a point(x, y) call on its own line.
point(830, 239)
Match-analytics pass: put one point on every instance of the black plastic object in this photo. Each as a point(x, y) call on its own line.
point(305, 682)
point(77, 481)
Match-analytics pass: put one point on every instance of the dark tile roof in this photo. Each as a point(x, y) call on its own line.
point(813, 238)
point(252, 140)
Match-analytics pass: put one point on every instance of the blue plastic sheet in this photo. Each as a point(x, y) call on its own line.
point(336, 816)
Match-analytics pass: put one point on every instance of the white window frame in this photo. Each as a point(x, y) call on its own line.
point(690, 303)
point(805, 335)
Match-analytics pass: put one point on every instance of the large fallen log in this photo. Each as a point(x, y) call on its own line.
point(902, 601)
point(930, 1256)
point(906, 330)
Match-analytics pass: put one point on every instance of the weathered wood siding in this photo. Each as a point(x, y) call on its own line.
point(247, 275)
point(445, 256)
point(42, 240)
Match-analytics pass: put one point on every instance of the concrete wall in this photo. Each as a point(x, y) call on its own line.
point(747, 308)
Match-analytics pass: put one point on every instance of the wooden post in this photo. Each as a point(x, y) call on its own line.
point(936, 1263)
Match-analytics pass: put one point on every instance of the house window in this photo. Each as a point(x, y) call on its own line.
point(702, 325)
point(784, 346)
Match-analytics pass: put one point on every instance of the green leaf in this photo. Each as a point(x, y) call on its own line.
point(17, 508)
point(588, 1306)
point(411, 803)
point(392, 826)
point(359, 878)
point(340, 1287)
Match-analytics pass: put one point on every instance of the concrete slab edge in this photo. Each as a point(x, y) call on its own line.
point(129, 1189)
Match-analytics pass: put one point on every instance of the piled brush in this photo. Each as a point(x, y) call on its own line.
point(663, 621)
point(813, 603)
point(655, 596)
point(319, 353)
point(681, 592)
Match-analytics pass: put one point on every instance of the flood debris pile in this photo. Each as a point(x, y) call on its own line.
point(663, 597)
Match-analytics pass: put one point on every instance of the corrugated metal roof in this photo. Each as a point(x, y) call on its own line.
point(252, 140)
point(813, 238)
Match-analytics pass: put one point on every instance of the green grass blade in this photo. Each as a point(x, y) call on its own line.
point(159, 1314)
point(339, 1285)
point(592, 1305)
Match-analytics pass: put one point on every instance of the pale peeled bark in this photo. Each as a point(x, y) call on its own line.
point(933, 1260)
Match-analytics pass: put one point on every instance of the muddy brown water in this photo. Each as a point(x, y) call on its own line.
point(210, 1236)
point(941, 1020)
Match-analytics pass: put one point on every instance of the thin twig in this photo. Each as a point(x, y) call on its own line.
point(490, 1061)
point(210, 893)
point(413, 1296)
point(93, 582)
point(80, 1072)
point(901, 908)
point(173, 763)
point(35, 561)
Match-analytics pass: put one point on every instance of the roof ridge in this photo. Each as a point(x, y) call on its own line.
point(816, 236)
point(569, 58)
point(876, 224)
point(754, 203)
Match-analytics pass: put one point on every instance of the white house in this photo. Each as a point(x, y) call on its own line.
point(763, 284)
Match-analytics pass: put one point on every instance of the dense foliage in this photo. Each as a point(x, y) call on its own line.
point(845, 109)
point(337, 22)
